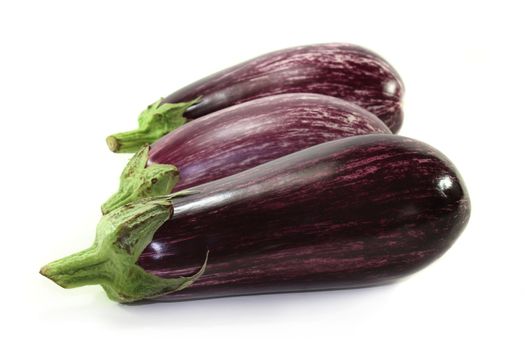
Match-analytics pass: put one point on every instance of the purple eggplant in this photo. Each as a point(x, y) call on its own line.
point(354, 212)
point(238, 138)
point(340, 70)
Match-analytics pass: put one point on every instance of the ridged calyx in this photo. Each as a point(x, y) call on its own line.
point(138, 181)
point(121, 237)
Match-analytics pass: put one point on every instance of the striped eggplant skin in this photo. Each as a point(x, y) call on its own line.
point(243, 136)
point(346, 71)
point(353, 212)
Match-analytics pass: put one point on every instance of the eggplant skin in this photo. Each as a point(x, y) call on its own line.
point(354, 212)
point(243, 136)
point(341, 70)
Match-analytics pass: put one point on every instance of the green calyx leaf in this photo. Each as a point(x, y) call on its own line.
point(121, 237)
point(139, 181)
point(154, 122)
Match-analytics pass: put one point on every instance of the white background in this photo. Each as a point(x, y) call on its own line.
point(72, 73)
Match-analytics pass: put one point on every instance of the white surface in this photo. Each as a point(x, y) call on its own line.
point(72, 73)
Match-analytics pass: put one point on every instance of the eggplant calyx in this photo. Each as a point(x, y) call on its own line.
point(121, 237)
point(138, 180)
point(154, 122)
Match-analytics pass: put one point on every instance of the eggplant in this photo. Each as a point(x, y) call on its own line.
point(341, 70)
point(238, 138)
point(354, 212)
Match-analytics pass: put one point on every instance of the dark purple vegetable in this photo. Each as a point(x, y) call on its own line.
point(353, 212)
point(340, 70)
point(238, 138)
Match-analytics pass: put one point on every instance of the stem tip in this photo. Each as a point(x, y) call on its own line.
point(113, 144)
point(45, 271)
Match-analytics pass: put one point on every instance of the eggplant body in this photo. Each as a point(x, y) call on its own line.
point(243, 136)
point(353, 212)
point(346, 71)
point(238, 138)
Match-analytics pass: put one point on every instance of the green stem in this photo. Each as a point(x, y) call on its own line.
point(121, 237)
point(83, 268)
point(138, 180)
point(154, 122)
point(130, 141)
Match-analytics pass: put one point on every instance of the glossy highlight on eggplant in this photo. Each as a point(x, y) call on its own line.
point(341, 70)
point(353, 212)
point(238, 138)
